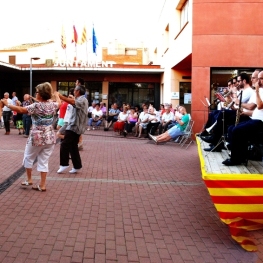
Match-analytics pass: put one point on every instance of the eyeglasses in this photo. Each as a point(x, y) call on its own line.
point(253, 77)
point(239, 80)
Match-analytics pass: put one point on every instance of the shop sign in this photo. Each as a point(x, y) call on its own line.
point(85, 64)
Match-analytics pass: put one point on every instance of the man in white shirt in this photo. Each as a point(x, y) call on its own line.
point(14, 98)
point(7, 113)
point(167, 119)
point(240, 134)
point(90, 109)
point(97, 115)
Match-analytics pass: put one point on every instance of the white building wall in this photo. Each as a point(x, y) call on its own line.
point(173, 45)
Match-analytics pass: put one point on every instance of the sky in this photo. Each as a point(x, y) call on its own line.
point(33, 21)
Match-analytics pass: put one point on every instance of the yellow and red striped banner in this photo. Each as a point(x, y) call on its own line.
point(238, 199)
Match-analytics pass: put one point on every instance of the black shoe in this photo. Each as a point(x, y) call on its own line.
point(124, 133)
point(106, 129)
point(213, 149)
point(208, 139)
point(146, 136)
point(228, 162)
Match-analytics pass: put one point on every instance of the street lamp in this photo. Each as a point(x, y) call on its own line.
point(35, 58)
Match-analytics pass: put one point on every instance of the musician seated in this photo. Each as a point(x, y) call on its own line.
point(240, 134)
point(227, 117)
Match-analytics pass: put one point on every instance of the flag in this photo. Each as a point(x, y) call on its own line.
point(94, 41)
point(83, 36)
point(63, 39)
point(75, 36)
point(238, 199)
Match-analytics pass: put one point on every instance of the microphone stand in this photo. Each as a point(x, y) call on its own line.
point(206, 107)
point(222, 139)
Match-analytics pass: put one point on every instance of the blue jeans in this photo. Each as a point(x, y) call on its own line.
point(97, 122)
point(27, 123)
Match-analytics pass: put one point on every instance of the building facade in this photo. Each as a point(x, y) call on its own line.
point(201, 44)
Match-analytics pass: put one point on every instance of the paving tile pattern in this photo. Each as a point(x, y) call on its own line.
point(133, 201)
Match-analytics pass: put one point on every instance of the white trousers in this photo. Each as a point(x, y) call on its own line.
point(41, 152)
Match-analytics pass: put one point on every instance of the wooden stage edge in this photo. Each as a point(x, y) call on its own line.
point(211, 163)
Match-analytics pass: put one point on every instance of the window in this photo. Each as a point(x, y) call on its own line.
point(65, 86)
point(134, 93)
point(185, 93)
point(12, 60)
point(184, 14)
point(94, 91)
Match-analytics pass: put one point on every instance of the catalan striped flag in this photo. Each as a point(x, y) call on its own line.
point(83, 36)
point(75, 36)
point(63, 39)
point(238, 199)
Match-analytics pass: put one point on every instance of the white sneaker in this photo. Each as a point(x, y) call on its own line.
point(62, 169)
point(153, 137)
point(74, 171)
point(88, 129)
point(93, 128)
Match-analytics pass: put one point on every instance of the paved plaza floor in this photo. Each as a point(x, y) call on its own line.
point(133, 201)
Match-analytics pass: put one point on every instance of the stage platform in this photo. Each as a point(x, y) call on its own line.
point(236, 191)
point(213, 162)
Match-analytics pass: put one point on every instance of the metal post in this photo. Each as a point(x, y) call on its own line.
point(35, 58)
point(30, 91)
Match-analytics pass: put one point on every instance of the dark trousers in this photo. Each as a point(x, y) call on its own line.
point(27, 123)
point(224, 118)
point(6, 117)
point(163, 127)
point(69, 146)
point(128, 126)
point(240, 135)
point(152, 127)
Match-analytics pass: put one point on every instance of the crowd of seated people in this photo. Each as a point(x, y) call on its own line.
point(128, 119)
point(239, 124)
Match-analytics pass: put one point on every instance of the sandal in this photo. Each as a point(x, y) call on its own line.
point(26, 183)
point(37, 188)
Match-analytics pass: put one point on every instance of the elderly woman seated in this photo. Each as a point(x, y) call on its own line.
point(97, 116)
point(154, 121)
point(118, 126)
point(175, 131)
point(142, 121)
point(131, 121)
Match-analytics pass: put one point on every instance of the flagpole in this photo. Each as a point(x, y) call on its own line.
point(66, 58)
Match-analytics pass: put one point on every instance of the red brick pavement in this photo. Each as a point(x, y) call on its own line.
point(133, 201)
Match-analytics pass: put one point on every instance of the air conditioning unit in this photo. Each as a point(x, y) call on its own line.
point(49, 62)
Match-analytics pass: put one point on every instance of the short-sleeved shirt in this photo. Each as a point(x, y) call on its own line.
point(14, 99)
point(62, 109)
point(185, 119)
point(78, 119)
point(114, 111)
point(42, 113)
point(98, 113)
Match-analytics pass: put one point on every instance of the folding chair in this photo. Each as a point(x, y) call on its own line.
point(187, 136)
